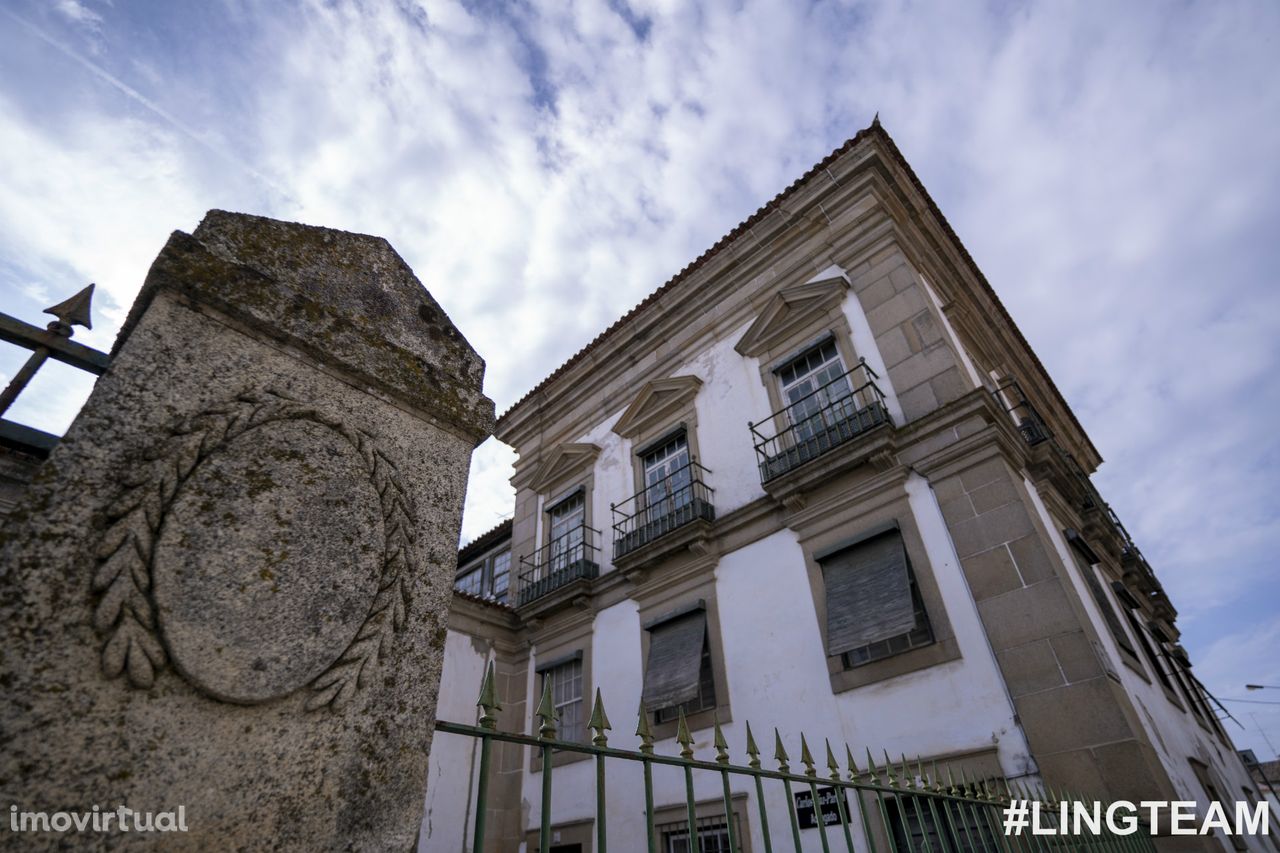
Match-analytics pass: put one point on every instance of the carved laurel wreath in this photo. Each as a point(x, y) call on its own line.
point(125, 613)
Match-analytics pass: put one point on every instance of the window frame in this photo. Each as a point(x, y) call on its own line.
point(484, 565)
point(917, 600)
point(572, 669)
point(675, 818)
point(824, 534)
point(555, 644)
point(699, 591)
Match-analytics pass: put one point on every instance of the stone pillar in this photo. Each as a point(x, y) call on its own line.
point(227, 588)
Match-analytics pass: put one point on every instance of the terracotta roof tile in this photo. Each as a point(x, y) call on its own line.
point(485, 541)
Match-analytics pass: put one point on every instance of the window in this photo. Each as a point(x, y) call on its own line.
point(704, 701)
point(712, 832)
point(487, 577)
point(667, 478)
point(815, 390)
point(1086, 559)
point(501, 575)
point(679, 674)
point(874, 609)
point(568, 518)
point(1205, 775)
point(1149, 652)
point(935, 819)
point(1108, 611)
point(566, 698)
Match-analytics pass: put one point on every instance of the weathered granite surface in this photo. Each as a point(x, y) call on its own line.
point(227, 587)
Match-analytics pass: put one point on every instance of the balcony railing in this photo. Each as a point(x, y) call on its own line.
point(661, 507)
point(570, 557)
point(819, 422)
point(1033, 428)
point(1035, 431)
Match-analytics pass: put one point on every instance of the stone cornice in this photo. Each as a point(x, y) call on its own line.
point(838, 202)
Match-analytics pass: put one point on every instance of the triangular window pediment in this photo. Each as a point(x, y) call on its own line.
point(791, 309)
point(657, 403)
point(566, 462)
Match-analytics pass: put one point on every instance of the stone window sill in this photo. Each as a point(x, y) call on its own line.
point(912, 660)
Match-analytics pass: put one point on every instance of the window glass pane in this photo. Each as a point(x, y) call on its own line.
point(471, 582)
point(566, 697)
point(817, 391)
point(501, 575)
point(667, 477)
point(567, 520)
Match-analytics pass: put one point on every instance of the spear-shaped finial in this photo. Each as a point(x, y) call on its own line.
point(488, 702)
point(752, 750)
point(721, 745)
point(780, 752)
point(888, 770)
point(806, 757)
point(71, 312)
point(644, 732)
point(684, 738)
point(547, 713)
point(951, 783)
point(964, 783)
point(907, 776)
point(599, 722)
point(832, 764)
point(936, 787)
point(871, 768)
point(853, 768)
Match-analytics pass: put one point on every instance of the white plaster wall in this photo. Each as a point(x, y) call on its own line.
point(777, 675)
point(450, 807)
point(732, 395)
point(1175, 734)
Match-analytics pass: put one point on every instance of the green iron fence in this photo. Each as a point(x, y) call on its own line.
point(897, 806)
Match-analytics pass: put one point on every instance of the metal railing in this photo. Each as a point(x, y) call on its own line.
point(1033, 428)
point(957, 815)
point(661, 507)
point(820, 421)
point(53, 341)
point(1035, 431)
point(567, 558)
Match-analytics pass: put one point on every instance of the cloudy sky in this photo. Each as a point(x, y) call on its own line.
point(1112, 167)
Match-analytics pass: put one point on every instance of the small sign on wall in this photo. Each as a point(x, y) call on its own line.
point(827, 804)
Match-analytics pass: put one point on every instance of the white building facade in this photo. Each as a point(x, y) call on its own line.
point(820, 482)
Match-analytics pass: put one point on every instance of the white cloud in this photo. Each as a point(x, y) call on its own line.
point(543, 167)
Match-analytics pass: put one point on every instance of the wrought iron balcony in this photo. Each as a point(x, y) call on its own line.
point(1033, 428)
point(661, 507)
point(568, 558)
point(820, 421)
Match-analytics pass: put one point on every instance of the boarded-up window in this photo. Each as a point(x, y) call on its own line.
point(871, 599)
point(678, 660)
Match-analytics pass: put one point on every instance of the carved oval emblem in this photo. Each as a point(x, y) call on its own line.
point(267, 562)
point(270, 543)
